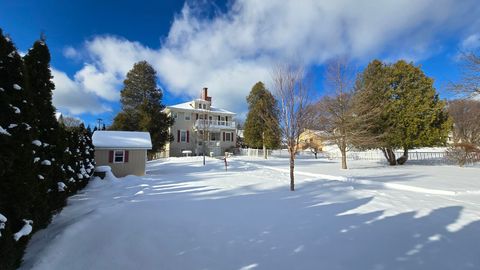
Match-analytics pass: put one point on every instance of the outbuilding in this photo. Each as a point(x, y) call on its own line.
point(124, 151)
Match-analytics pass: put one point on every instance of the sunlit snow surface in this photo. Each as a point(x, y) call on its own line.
point(183, 215)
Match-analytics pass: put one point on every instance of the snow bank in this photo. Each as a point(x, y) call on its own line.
point(109, 176)
point(103, 169)
point(24, 231)
point(183, 215)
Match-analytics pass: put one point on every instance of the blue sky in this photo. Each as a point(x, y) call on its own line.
point(229, 45)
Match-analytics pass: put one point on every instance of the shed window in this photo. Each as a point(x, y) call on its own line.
point(119, 156)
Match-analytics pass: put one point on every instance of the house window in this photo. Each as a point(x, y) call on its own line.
point(228, 137)
point(204, 106)
point(119, 156)
point(183, 136)
point(187, 117)
point(215, 136)
point(175, 115)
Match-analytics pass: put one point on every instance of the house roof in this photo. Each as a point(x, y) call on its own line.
point(188, 106)
point(122, 139)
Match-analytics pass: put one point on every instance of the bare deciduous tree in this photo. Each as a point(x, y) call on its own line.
point(470, 75)
point(334, 111)
point(290, 87)
point(71, 122)
point(466, 120)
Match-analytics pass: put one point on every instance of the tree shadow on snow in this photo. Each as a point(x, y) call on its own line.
point(278, 229)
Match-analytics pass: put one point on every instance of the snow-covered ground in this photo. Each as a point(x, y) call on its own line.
point(183, 215)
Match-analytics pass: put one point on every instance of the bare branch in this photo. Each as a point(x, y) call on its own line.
point(292, 92)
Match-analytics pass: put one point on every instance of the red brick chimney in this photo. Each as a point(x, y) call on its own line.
point(204, 95)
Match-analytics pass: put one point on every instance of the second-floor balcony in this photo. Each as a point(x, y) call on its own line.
point(202, 124)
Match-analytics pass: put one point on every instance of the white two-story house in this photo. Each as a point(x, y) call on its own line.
point(200, 128)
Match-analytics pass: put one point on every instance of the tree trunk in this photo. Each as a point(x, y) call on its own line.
point(292, 166)
point(203, 147)
point(390, 156)
point(315, 153)
point(343, 150)
point(264, 146)
point(344, 159)
point(401, 160)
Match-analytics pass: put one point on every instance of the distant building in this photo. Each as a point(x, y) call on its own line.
point(124, 151)
point(311, 139)
point(200, 127)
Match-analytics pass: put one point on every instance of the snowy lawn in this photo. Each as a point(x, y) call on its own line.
point(183, 215)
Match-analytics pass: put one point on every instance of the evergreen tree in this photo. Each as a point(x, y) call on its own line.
point(18, 184)
point(398, 106)
point(39, 87)
point(261, 125)
point(141, 106)
point(34, 149)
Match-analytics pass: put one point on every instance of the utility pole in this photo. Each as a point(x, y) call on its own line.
point(99, 123)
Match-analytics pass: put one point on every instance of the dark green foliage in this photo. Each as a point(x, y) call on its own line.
point(33, 148)
point(17, 182)
point(39, 88)
point(142, 109)
point(261, 125)
point(398, 107)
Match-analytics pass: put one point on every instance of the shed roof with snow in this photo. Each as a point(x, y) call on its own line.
point(122, 139)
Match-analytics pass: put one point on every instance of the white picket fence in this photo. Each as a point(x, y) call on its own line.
point(351, 155)
point(378, 155)
point(253, 152)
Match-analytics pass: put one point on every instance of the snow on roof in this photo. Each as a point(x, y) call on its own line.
point(188, 106)
point(122, 139)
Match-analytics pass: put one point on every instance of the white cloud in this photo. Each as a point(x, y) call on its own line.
point(471, 43)
point(104, 84)
point(70, 52)
point(70, 97)
point(231, 51)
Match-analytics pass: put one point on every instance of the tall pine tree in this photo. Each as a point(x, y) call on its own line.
point(142, 109)
point(261, 125)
